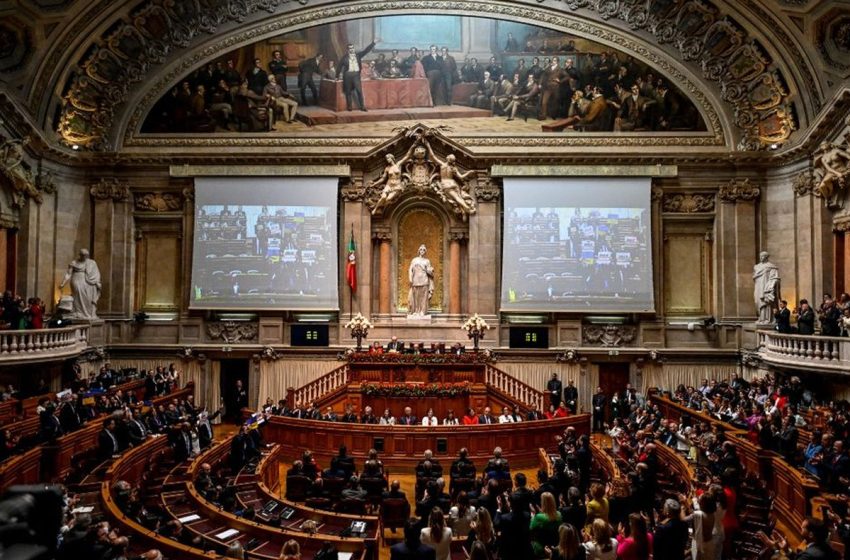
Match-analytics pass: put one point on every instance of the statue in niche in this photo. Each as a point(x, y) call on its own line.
point(391, 179)
point(450, 184)
point(421, 284)
point(85, 286)
point(13, 168)
point(832, 167)
point(766, 293)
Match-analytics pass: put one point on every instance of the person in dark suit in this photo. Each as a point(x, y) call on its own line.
point(50, 426)
point(395, 492)
point(487, 418)
point(522, 497)
point(395, 345)
point(182, 442)
point(554, 388)
point(571, 396)
point(136, 430)
point(412, 548)
point(306, 70)
point(239, 450)
point(205, 430)
point(783, 317)
point(69, 417)
point(433, 64)
point(805, 318)
point(600, 402)
point(408, 418)
point(670, 539)
point(350, 66)
point(107, 441)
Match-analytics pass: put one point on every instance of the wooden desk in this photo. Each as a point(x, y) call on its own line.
point(403, 446)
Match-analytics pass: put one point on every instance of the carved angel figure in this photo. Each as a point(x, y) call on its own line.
point(832, 162)
point(12, 167)
point(392, 180)
point(450, 183)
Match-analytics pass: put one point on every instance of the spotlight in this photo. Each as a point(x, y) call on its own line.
point(75, 146)
point(774, 146)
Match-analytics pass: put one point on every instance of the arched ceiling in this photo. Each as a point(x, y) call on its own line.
point(765, 67)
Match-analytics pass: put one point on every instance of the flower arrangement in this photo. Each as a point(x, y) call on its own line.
point(441, 390)
point(359, 326)
point(358, 321)
point(475, 323)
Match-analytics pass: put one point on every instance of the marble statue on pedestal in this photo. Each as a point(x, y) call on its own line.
point(85, 286)
point(421, 284)
point(766, 292)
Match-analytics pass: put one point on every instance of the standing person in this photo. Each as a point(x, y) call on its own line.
point(600, 403)
point(702, 518)
point(349, 68)
point(554, 387)
point(412, 547)
point(783, 317)
point(670, 539)
point(571, 396)
point(544, 525)
point(278, 68)
point(449, 72)
point(805, 318)
point(306, 70)
point(437, 535)
point(433, 65)
point(257, 78)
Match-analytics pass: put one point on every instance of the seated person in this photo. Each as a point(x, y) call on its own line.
point(376, 348)
point(429, 419)
point(408, 418)
point(462, 467)
point(395, 345)
point(470, 418)
point(428, 457)
point(349, 416)
point(374, 467)
point(311, 468)
point(394, 493)
point(498, 470)
point(342, 465)
point(368, 417)
point(387, 419)
point(451, 419)
point(354, 491)
point(204, 483)
point(329, 415)
point(508, 416)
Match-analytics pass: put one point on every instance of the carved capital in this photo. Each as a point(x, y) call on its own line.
point(189, 194)
point(110, 188)
point(458, 236)
point(804, 183)
point(352, 193)
point(158, 202)
point(738, 190)
point(382, 235)
point(688, 203)
point(656, 194)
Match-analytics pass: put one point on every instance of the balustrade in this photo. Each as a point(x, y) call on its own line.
point(810, 352)
point(42, 344)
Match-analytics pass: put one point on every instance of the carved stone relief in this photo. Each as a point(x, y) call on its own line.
point(23, 183)
point(158, 202)
point(232, 332)
point(608, 335)
point(804, 183)
point(110, 188)
point(738, 190)
point(688, 203)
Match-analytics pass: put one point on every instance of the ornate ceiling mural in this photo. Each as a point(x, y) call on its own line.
point(15, 44)
point(529, 80)
point(744, 61)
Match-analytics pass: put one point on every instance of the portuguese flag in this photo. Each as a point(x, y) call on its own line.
point(351, 265)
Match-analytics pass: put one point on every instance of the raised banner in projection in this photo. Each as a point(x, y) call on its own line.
point(577, 244)
point(265, 243)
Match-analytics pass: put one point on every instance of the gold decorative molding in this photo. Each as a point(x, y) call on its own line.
point(259, 170)
point(110, 188)
point(737, 190)
point(688, 203)
point(584, 170)
point(158, 202)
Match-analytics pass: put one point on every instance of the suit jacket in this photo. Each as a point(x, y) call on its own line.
point(107, 446)
point(397, 345)
point(806, 322)
point(136, 431)
point(783, 320)
point(343, 62)
point(570, 394)
point(670, 540)
point(554, 387)
point(408, 420)
point(307, 68)
point(818, 552)
point(401, 551)
point(521, 498)
point(430, 63)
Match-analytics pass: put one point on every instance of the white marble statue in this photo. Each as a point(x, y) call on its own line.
point(421, 284)
point(766, 292)
point(85, 286)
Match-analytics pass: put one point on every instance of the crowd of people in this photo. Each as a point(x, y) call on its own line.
point(832, 317)
point(18, 313)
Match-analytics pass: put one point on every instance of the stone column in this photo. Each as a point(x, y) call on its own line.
point(111, 245)
point(455, 303)
point(737, 231)
point(485, 249)
point(356, 215)
point(384, 272)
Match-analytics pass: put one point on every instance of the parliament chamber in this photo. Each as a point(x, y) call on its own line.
point(449, 280)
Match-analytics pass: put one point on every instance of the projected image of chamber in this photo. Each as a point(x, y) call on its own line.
point(577, 257)
point(280, 254)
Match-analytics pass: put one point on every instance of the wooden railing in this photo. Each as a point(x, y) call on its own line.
point(42, 344)
point(516, 389)
point(318, 388)
point(810, 352)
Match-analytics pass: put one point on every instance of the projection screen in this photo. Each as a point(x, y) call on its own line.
point(577, 244)
point(265, 243)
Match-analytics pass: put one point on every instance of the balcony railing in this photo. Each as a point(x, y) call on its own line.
point(42, 344)
point(811, 352)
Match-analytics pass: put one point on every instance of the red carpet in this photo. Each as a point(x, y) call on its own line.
point(314, 115)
